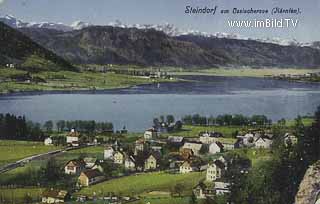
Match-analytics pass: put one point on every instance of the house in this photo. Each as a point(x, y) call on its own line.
point(203, 191)
point(130, 163)
point(290, 139)
point(188, 166)
point(215, 170)
point(74, 166)
point(156, 149)
point(108, 152)
point(139, 146)
point(263, 143)
point(194, 146)
point(150, 134)
point(229, 145)
point(54, 196)
point(175, 160)
point(221, 188)
point(186, 153)
point(247, 139)
point(175, 141)
point(215, 147)
point(118, 157)
point(90, 177)
point(209, 137)
point(73, 138)
point(152, 161)
point(90, 162)
point(48, 141)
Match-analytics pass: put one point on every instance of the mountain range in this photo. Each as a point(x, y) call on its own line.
point(162, 45)
point(167, 28)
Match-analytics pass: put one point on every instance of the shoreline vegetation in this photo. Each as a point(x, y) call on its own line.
point(92, 78)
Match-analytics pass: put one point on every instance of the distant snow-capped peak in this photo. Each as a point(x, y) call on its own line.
point(167, 28)
point(78, 25)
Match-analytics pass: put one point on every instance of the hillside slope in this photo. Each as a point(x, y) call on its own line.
point(16, 48)
point(106, 44)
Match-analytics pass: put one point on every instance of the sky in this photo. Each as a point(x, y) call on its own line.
point(101, 12)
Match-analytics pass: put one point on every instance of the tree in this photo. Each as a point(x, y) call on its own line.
point(61, 125)
point(178, 125)
point(170, 119)
point(48, 125)
point(51, 172)
point(187, 120)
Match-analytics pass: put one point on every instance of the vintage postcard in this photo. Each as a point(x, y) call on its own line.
point(159, 102)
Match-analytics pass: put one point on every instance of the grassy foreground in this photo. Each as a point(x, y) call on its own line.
point(17, 195)
point(12, 150)
point(137, 184)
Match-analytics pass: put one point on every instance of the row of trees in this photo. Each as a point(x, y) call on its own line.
point(226, 119)
point(17, 128)
point(167, 122)
point(88, 126)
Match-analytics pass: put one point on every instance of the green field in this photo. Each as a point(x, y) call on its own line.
point(137, 184)
point(66, 80)
point(17, 195)
point(193, 130)
point(94, 151)
point(305, 121)
point(12, 150)
point(257, 156)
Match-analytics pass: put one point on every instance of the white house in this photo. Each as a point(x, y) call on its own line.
point(221, 188)
point(209, 137)
point(130, 163)
point(48, 141)
point(215, 170)
point(215, 147)
point(194, 146)
point(108, 152)
point(118, 157)
point(263, 143)
point(74, 166)
point(73, 137)
point(150, 134)
point(206, 138)
point(188, 167)
point(54, 196)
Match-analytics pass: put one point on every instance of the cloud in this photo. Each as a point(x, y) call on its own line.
point(1, 1)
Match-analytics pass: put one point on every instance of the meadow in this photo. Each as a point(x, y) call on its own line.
point(68, 81)
point(137, 184)
point(17, 195)
point(12, 150)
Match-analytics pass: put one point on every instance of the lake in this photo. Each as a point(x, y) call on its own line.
point(136, 107)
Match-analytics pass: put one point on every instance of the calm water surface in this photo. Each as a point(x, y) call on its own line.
point(136, 107)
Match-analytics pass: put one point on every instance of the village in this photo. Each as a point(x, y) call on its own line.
point(158, 150)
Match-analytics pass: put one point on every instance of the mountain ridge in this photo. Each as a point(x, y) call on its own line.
point(16, 48)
